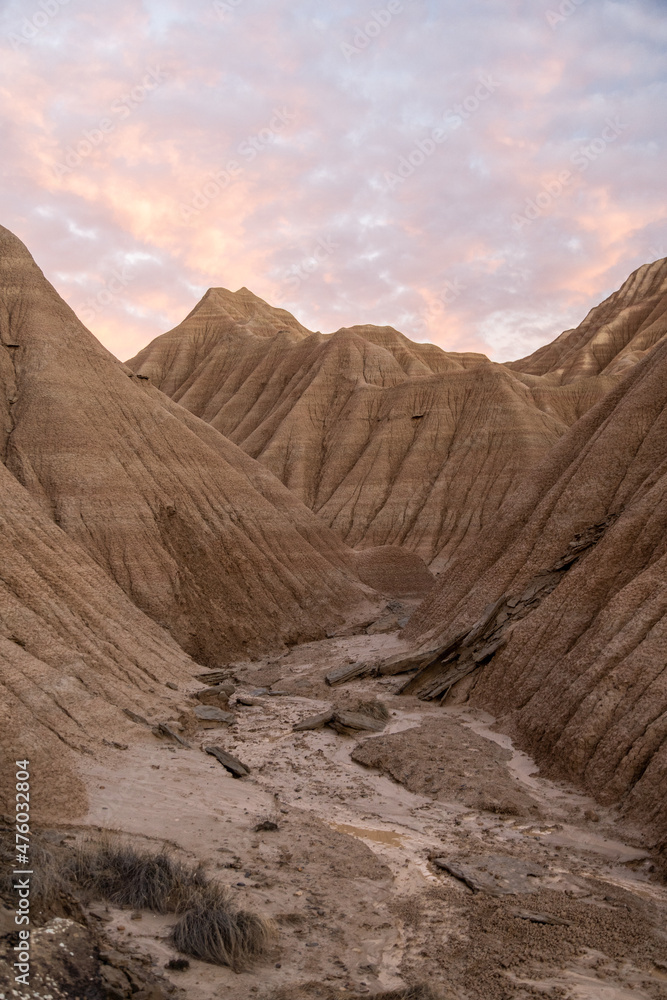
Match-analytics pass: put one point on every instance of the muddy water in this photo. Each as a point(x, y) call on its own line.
point(387, 837)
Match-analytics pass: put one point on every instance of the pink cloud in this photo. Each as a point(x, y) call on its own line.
point(307, 217)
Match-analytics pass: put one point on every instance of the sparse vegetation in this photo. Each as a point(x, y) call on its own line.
point(178, 964)
point(140, 880)
point(211, 930)
point(376, 709)
point(209, 926)
point(48, 883)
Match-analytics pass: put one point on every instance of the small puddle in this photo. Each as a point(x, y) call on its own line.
point(387, 837)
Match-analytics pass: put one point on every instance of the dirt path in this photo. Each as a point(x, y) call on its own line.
point(350, 874)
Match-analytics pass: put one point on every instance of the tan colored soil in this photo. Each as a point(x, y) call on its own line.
point(349, 875)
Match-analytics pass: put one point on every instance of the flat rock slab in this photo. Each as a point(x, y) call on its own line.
point(348, 672)
point(209, 713)
point(447, 761)
point(344, 722)
point(216, 676)
point(356, 722)
point(162, 729)
point(232, 764)
point(383, 625)
point(541, 918)
point(139, 719)
point(495, 875)
point(217, 689)
point(248, 700)
point(402, 663)
point(314, 722)
point(216, 696)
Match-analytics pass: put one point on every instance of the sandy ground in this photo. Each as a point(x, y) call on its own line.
point(349, 875)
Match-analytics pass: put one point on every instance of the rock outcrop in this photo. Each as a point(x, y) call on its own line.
point(568, 592)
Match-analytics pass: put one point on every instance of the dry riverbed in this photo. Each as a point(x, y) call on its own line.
point(429, 853)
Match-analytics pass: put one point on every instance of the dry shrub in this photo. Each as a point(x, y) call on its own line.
point(209, 925)
point(214, 931)
point(376, 709)
point(178, 964)
point(48, 883)
point(139, 880)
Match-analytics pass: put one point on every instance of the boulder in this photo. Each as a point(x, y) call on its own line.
point(210, 717)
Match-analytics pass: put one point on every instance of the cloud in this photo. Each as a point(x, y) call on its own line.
point(182, 146)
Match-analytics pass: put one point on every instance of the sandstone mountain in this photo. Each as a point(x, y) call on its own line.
point(390, 442)
point(614, 336)
point(199, 536)
point(556, 618)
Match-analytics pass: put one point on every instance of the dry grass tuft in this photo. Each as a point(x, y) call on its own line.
point(178, 964)
point(209, 926)
point(213, 931)
point(48, 884)
point(129, 878)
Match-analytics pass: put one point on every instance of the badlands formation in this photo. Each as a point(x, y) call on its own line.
point(296, 609)
point(392, 442)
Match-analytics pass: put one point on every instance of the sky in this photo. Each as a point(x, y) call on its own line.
point(477, 175)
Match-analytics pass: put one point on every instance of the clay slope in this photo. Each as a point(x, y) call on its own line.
point(390, 442)
point(198, 535)
point(73, 650)
point(558, 615)
point(614, 336)
point(215, 320)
